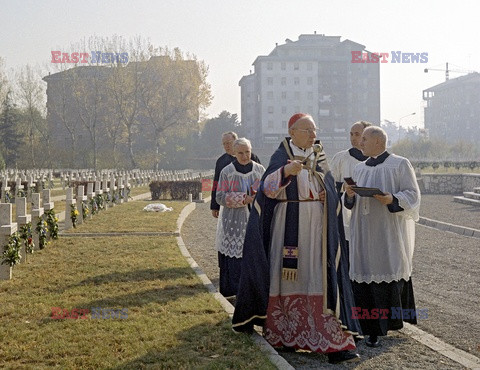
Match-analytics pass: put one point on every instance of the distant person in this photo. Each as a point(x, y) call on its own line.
point(342, 165)
point(294, 279)
point(382, 237)
point(235, 193)
point(225, 159)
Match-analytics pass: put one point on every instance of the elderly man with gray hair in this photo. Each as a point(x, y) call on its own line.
point(225, 159)
point(382, 237)
point(236, 190)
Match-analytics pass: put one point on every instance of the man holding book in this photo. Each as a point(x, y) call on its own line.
point(382, 234)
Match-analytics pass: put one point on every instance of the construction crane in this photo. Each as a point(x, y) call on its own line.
point(447, 71)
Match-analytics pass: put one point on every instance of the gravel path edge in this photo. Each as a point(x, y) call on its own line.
point(258, 339)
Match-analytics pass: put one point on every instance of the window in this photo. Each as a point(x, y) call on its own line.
point(270, 109)
point(284, 94)
point(284, 124)
point(283, 81)
point(296, 66)
point(283, 66)
point(296, 81)
point(270, 81)
point(269, 66)
point(309, 66)
point(310, 95)
point(270, 95)
point(284, 109)
point(297, 95)
point(309, 81)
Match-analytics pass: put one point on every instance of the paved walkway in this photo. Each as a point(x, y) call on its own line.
point(446, 283)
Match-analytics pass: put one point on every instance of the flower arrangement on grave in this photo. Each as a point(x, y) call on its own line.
point(116, 196)
point(21, 193)
point(127, 189)
point(73, 214)
point(42, 230)
point(100, 202)
point(52, 221)
point(93, 206)
point(85, 210)
point(26, 235)
point(107, 197)
point(11, 252)
point(8, 196)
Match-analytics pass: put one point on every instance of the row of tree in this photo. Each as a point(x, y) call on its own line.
point(421, 148)
point(104, 115)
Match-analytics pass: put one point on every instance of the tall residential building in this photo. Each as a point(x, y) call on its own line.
point(313, 75)
point(452, 110)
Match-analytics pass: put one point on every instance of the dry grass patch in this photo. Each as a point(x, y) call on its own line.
point(130, 217)
point(172, 321)
point(139, 190)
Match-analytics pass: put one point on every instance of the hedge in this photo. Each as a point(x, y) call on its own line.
point(175, 190)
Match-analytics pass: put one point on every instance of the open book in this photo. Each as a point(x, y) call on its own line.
point(366, 192)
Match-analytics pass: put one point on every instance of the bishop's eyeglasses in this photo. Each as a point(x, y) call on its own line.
point(308, 130)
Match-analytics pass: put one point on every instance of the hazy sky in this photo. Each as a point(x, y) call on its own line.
point(229, 35)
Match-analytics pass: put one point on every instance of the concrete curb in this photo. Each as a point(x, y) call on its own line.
point(463, 358)
point(127, 233)
point(264, 346)
point(445, 226)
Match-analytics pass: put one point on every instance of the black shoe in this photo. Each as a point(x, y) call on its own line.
point(284, 349)
point(357, 339)
point(372, 341)
point(342, 356)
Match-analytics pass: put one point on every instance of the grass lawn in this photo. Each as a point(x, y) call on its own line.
point(130, 217)
point(156, 313)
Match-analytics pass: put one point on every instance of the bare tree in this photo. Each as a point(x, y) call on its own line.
point(31, 97)
point(174, 90)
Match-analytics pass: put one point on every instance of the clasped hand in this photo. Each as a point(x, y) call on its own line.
point(292, 168)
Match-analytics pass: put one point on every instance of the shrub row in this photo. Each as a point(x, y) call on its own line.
point(175, 190)
point(436, 164)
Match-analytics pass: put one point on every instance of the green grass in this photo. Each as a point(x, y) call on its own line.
point(173, 322)
point(58, 192)
point(139, 190)
point(130, 217)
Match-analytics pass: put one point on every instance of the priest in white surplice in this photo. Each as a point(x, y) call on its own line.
point(382, 237)
point(235, 191)
point(343, 164)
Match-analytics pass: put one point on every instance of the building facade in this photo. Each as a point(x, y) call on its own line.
point(114, 111)
point(314, 75)
point(452, 109)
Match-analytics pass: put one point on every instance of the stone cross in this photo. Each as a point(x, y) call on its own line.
point(7, 228)
point(47, 203)
point(68, 207)
point(37, 213)
point(80, 198)
point(22, 219)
